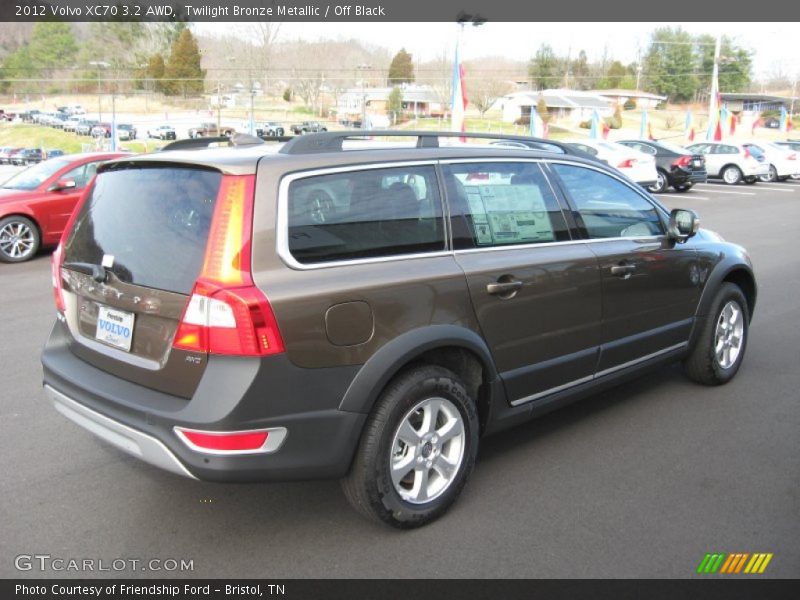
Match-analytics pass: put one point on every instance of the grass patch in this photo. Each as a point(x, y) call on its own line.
point(24, 135)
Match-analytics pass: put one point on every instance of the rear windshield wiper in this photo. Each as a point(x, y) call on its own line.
point(96, 272)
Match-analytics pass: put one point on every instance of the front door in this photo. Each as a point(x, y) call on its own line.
point(650, 284)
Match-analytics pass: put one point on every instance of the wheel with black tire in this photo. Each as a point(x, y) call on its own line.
point(19, 239)
point(771, 176)
point(720, 345)
point(731, 175)
point(661, 184)
point(417, 450)
point(684, 187)
point(750, 180)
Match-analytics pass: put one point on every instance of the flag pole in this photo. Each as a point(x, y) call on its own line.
point(713, 99)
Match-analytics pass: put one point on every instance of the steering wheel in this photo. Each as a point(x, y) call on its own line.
point(319, 205)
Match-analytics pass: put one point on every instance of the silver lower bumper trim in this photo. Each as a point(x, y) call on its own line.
point(135, 443)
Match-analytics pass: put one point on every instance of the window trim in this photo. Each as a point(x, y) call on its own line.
point(660, 213)
point(282, 221)
point(566, 210)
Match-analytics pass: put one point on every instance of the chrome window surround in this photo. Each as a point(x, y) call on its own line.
point(282, 220)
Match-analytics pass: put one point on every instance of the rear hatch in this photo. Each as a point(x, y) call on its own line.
point(128, 267)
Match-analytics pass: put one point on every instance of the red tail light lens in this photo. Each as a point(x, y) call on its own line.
point(792, 157)
point(226, 312)
point(683, 161)
point(55, 267)
point(237, 442)
point(626, 164)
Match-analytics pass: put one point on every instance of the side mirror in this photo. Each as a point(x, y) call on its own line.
point(64, 184)
point(683, 224)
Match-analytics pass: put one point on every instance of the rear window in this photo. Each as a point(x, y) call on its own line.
point(365, 214)
point(154, 221)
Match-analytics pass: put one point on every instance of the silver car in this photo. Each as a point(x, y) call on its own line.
point(733, 163)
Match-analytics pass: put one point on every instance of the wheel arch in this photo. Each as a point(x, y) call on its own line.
point(456, 348)
point(738, 273)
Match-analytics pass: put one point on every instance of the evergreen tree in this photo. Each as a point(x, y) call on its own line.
point(154, 74)
point(394, 104)
point(670, 64)
point(401, 70)
point(543, 68)
point(182, 74)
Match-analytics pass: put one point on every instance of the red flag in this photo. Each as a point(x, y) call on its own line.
point(691, 134)
point(733, 125)
point(789, 124)
point(606, 129)
point(718, 131)
point(759, 122)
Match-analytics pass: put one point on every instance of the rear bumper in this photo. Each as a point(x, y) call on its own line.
point(682, 176)
point(235, 394)
point(135, 443)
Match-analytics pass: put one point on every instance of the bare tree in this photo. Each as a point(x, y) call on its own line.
point(488, 79)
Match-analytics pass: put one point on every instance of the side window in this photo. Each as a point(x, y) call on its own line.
point(585, 148)
point(81, 175)
point(608, 207)
point(365, 214)
point(646, 149)
point(699, 149)
point(500, 204)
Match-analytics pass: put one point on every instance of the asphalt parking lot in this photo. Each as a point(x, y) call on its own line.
point(641, 481)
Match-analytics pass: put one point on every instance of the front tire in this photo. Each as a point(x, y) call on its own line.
point(417, 450)
point(720, 346)
point(19, 239)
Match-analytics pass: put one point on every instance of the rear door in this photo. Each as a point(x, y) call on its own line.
point(536, 293)
point(131, 260)
point(650, 284)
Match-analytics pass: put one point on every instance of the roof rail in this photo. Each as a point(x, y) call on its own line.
point(237, 140)
point(331, 141)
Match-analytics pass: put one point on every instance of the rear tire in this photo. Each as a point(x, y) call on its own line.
point(417, 450)
point(731, 175)
point(685, 187)
point(750, 180)
point(661, 185)
point(721, 343)
point(771, 176)
point(19, 239)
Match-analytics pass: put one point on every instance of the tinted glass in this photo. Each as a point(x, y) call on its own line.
point(33, 177)
point(502, 203)
point(608, 207)
point(365, 214)
point(153, 221)
point(674, 148)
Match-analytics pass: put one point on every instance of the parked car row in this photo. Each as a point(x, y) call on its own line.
point(26, 156)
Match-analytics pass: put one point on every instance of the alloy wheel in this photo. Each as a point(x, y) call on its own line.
point(729, 335)
point(427, 450)
point(17, 240)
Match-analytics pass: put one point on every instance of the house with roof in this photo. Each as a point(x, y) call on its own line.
point(574, 105)
point(417, 100)
point(642, 99)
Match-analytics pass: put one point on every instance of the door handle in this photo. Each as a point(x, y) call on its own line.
point(623, 271)
point(504, 287)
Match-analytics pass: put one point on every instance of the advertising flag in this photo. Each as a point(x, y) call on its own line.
point(538, 126)
point(459, 100)
point(689, 126)
point(594, 132)
point(644, 127)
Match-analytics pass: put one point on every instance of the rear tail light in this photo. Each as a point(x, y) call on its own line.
point(58, 288)
point(626, 164)
point(683, 161)
point(226, 312)
point(232, 442)
point(792, 157)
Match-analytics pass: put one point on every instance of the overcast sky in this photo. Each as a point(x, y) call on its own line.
point(774, 45)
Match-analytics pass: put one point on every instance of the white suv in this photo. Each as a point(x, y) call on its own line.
point(732, 163)
point(783, 161)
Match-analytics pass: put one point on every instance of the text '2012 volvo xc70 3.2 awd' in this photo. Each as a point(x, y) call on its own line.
point(343, 307)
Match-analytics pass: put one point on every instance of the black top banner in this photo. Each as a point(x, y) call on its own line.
point(472, 11)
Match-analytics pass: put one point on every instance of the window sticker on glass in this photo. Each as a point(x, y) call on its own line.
point(509, 214)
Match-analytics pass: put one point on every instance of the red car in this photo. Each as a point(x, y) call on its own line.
point(36, 203)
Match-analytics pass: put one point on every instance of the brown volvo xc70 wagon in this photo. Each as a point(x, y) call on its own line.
point(335, 307)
